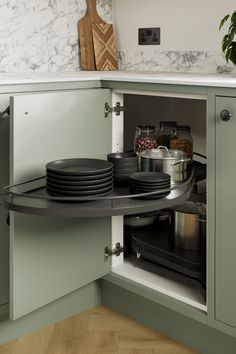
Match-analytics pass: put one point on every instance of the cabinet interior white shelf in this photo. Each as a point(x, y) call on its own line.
point(187, 293)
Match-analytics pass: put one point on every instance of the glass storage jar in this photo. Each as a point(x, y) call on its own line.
point(182, 140)
point(165, 133)
point(145, 138)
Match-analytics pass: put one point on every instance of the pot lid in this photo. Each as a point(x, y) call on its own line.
point(190, 207)
point(161, 153)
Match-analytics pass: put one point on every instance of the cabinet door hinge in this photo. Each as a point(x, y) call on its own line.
point(5, 113)
point(117, 109)
point(114, 252)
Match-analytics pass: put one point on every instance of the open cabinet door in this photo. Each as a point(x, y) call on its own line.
point(49, 256)
point(225, 238)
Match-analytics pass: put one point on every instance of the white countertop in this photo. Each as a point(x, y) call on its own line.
point(216, 80)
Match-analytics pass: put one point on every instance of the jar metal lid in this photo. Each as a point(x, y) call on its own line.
point(183, 127)
point(146, 126)
point(167, 123)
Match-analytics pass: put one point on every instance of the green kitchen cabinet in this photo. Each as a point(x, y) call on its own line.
point(50, 257)
point(4, 180)
point(225, 199)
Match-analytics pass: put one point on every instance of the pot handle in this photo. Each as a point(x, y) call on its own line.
point(161, 147)
point(180, 161)
point(202, 220)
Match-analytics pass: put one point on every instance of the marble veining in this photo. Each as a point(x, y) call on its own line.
point(175, 61)
point(42, 35)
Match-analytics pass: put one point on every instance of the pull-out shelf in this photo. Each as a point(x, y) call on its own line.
point(36, 201)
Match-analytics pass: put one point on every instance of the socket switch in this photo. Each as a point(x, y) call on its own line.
point(149, 36)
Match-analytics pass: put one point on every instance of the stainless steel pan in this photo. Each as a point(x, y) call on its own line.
point(172, 162)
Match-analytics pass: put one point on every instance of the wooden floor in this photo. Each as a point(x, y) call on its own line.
point(97, 331)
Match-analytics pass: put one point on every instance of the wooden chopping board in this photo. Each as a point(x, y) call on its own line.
point(104, 46)
point(101, 37)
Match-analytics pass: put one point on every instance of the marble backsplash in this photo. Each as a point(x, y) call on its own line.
point(175, 61)
point(42, 36)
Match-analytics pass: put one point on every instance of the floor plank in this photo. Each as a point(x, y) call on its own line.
point(97, 331)
point(101, 342)
point(136, 351)
point(74, 327)
point(7, 348)
point(64, 345)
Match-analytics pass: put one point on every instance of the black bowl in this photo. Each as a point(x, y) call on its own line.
point(119, 164)
point(121, 171)
point(122, 157)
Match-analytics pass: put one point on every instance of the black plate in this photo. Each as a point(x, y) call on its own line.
point(144, 190)
point(79, 193)
point(139, 190)
point(150, 177)
point(150, 197)
point(79, 167)
point(66, 183)
point(86, 178)
point(61, 196)
point(79, 188)
point(152, 186)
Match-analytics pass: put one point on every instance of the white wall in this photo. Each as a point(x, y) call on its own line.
point(186, 26)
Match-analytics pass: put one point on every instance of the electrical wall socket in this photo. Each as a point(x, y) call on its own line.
point(149, 36)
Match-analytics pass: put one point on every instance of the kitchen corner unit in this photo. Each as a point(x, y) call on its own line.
point(54, 256)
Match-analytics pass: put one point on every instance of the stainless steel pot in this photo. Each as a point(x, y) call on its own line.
point(172, 162)
point(189, 225)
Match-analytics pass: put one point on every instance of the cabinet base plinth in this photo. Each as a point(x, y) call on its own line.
point(192, 333)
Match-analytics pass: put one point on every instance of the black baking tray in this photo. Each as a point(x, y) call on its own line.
point(155, 244)
point(200, 171)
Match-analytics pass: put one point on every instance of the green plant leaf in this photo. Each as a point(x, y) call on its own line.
point(231, 37)
point(233, 53)
point(223, 21)
point(225, 42)
point(228, 54)
point(232, 28)
point(233, 17)
point(228, 43)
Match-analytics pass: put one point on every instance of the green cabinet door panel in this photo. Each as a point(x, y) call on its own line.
point(225, 193)
point(50, 257)
point(56, 125)
point(4, 180)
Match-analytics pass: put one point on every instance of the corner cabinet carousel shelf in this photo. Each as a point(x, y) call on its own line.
point(34, 199)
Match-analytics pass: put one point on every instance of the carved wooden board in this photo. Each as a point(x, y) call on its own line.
point(87, 58)
point(104, 46)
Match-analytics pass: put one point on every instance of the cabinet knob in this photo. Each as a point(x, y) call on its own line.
point(225, 115)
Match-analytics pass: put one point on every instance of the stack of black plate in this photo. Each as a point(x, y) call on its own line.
point(124, 164)
point(79, 177)
point(146, 182)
